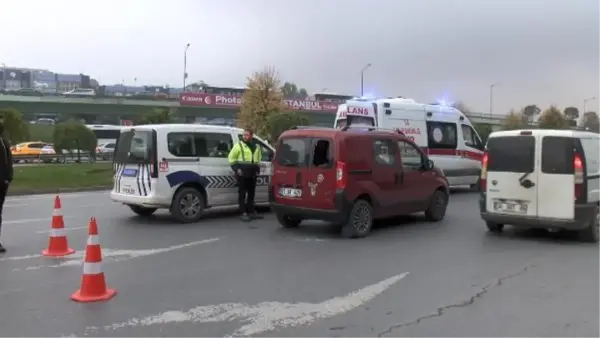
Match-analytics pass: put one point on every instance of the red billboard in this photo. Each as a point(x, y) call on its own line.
point(224, 101)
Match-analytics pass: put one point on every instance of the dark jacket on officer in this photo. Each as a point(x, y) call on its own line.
point(246, 157)
point(6, 162)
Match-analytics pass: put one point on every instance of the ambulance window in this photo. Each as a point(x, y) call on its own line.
point(471, 138)
point(441, 135)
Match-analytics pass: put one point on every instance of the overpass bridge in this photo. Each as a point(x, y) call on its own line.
point(126, 108)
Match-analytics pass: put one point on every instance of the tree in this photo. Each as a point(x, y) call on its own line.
point(483, 130)
point(282, 121)
point(513, 121)
point(571, 113)
point(15, 130)
point(72, 135)
point(261, 98)
point(157, 116)
point(291, 91)
point(529, 113)
point(590, 121)
point(552, 118)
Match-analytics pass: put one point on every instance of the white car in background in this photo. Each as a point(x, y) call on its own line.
point(47, 150)
point(105, 151)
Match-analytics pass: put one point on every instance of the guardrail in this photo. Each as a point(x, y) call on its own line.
point(83, 157)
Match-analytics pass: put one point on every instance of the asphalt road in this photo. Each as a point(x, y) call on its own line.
point(221, 277)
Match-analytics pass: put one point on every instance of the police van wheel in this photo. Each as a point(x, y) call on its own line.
point(287, 221)
point(188, 205)
point(141, 210)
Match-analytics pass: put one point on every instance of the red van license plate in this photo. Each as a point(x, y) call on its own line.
point(290, 192)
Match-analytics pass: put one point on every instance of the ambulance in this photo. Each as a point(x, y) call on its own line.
point(444, 133)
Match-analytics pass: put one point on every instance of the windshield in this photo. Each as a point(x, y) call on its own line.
point(134, 147)
point(355, 120)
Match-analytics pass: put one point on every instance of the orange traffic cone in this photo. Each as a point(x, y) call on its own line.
point(93, 286)
point(57, 242)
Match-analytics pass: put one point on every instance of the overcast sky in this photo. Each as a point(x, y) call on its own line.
point(540, 51)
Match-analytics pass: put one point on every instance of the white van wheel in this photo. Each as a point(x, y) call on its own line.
point(494, 227)
point(592, 232)
point(188, 205)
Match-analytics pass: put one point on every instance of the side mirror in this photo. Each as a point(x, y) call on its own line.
point(430, 164)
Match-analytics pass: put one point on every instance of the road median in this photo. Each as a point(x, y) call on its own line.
point(46, 179)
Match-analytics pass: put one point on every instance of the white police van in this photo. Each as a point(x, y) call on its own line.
point(542, 179)
point(181, 167)
point(444, 133)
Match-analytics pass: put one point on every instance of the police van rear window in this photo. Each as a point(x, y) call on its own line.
point(134, 147)
point(557, 155)
point(293, 152)
point(515, 154)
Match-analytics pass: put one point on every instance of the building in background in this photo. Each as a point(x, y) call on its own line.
point(44, 81)
point(334, 98)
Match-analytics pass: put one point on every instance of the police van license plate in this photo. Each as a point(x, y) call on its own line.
point(518, 207)
point(290, 192)
point(128, 190)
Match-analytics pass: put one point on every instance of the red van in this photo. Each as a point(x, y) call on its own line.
point(352, 176)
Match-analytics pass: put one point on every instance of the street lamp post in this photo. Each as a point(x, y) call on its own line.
point(362, 79)
point(185, 65)
point(492, 97)
point(585, 101)
point(3, 76)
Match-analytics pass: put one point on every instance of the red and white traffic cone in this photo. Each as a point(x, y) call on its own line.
point(93, 285)
point(57, 241)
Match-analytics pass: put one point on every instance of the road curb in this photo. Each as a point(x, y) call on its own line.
point(26, 192)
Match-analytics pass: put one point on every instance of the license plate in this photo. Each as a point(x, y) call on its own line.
point(128, 191)
point(129, 172)
point(290, 192)
point(510, 206)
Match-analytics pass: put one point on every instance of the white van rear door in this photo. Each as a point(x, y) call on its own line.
point(511, 162)
point(556, 182)
point(134, 163)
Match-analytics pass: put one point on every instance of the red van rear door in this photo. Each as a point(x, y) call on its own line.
point(291, 170)
point(321, 176)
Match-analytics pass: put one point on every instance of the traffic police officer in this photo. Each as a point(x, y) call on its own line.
point(244, 159)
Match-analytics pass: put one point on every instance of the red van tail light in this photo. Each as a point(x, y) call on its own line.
point(578, 173)
point(483, 177)
point(341, 176)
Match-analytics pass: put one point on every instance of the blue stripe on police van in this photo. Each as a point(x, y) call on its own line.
point(210, 182)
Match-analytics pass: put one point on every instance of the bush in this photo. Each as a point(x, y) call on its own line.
point(15, 130)
point(73, 135)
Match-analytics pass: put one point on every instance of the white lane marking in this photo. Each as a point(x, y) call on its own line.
point(108, 255)
point(65, 229)
point(310, 239)
point(29, 220)
point(265, 316)
point(52, 196)
point(19, 258)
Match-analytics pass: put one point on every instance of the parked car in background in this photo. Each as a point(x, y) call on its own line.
point(105, 151)
point(80, 92)
point(48, 150)
point(28, 150)
point(25, 92)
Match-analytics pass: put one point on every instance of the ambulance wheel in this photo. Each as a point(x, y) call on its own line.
point(142, 211)
point(287, 221)
point(494, 227)
point(188, 205)
point(592, 232)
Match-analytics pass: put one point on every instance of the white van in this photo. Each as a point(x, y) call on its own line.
point(181, 167)
point(542, 179)
point(443, 132)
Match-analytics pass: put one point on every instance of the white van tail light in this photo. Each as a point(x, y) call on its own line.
point(341, 176)
point(578, 173)
point(483, 177)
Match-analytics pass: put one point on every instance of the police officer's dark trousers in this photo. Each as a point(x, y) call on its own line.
point(246, 189)
point(3, 191)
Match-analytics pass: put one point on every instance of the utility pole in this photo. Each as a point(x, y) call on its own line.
point(185, 75)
